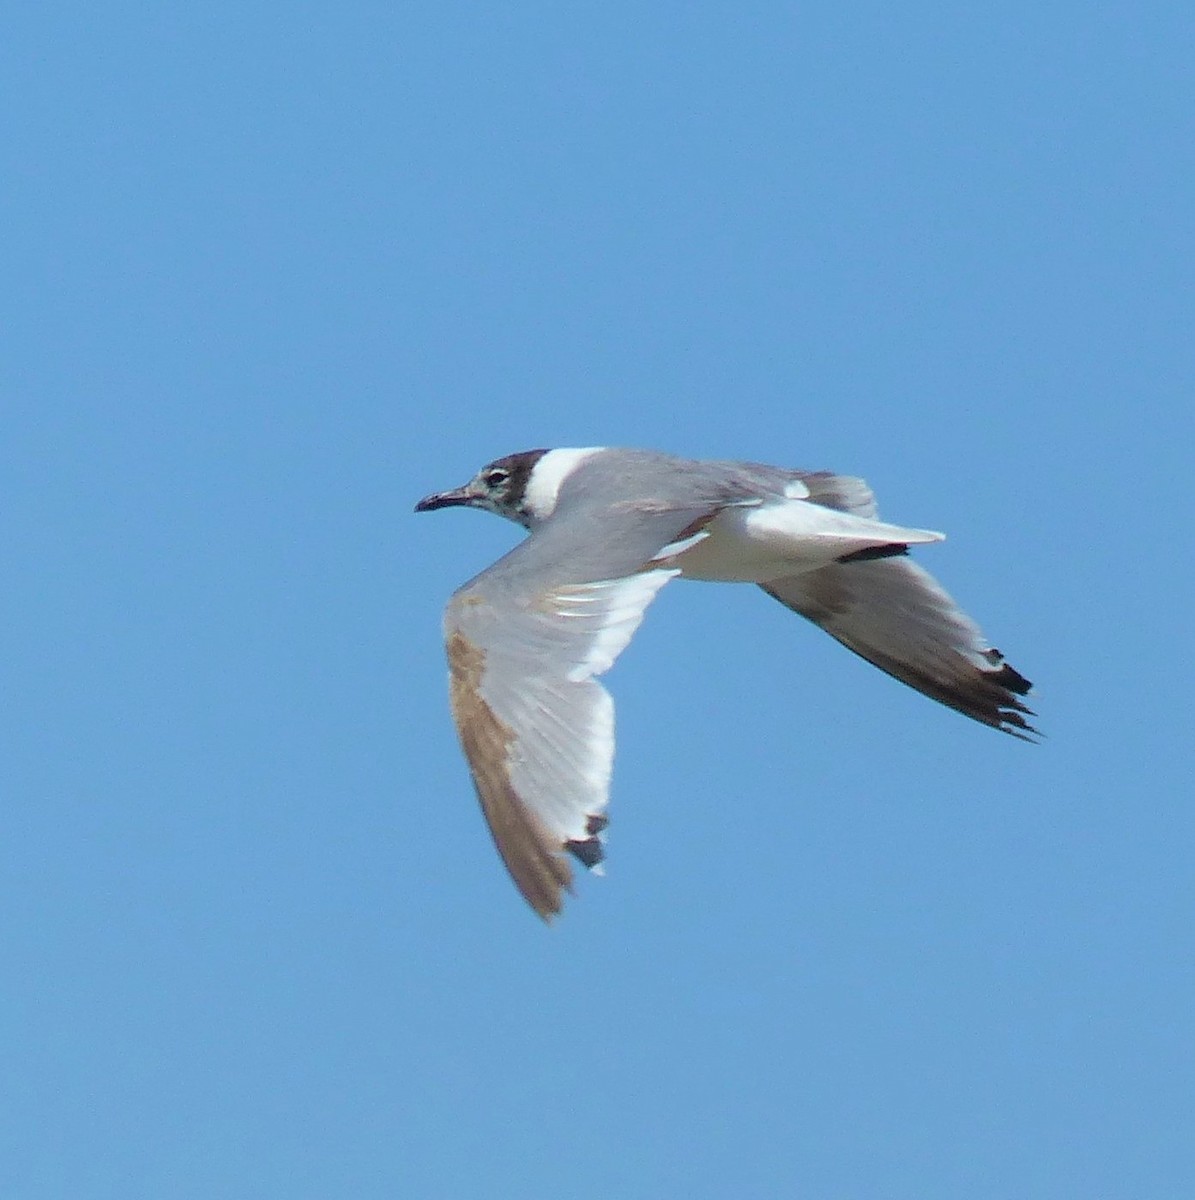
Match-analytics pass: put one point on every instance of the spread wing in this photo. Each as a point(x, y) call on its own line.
point(897, 616)
point(526, 640)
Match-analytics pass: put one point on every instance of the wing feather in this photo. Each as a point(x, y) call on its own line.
point(537, 728)
point(898, 617)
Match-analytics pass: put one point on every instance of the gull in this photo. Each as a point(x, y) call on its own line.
point(528, 637)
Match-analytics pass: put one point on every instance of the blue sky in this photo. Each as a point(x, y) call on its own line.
point(272, 273)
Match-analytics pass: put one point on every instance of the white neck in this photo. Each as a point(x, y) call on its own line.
point(544, 482)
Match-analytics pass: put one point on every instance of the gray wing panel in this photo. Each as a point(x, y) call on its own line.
point(896, 615)
point(675, 483)
point(525, 640)
point(847, 493)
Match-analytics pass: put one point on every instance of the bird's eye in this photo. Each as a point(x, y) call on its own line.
point(495, 478)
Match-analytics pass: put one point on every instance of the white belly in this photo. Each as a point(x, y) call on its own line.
point(783, 538)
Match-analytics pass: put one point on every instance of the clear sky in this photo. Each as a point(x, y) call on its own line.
point(271, 273)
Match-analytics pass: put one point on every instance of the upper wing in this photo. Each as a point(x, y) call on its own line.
point(847, 493)
point(525, 640)
point(897, 616)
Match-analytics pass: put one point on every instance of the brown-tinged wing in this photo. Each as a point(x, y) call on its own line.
point(526, 640)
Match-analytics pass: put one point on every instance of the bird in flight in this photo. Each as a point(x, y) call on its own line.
point(528, 637)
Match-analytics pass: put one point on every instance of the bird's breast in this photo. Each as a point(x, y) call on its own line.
point(749, 545)
point(781, 538)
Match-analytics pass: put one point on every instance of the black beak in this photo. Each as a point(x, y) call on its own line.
point(436, 500)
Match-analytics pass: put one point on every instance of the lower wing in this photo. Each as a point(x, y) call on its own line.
point(896, 615)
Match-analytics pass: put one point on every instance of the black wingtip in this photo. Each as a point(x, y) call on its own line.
point(589, 851)
point(1015, 725)
point(1007, 676)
